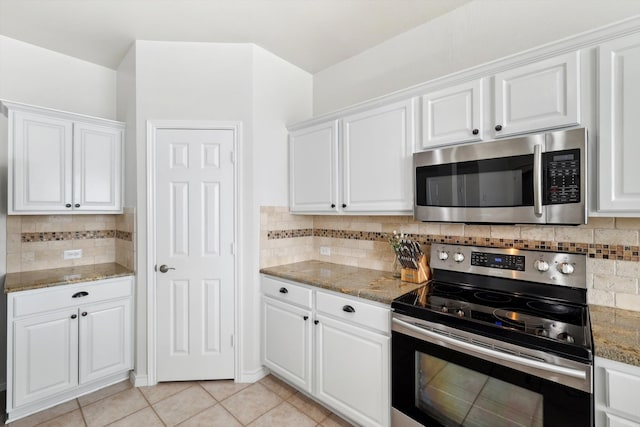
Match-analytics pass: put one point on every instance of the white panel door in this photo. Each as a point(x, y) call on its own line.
point(452, 115)
point(538, 96)
point(105, 339)
point(618, 147)
point(41, 152)
point(313, 169)
point(45, 356)
point(352, 371)
point(286, 341)
point(97, 168)
point(194, 237)
point(376, 164)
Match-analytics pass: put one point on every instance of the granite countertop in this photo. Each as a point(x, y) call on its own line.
point(27, 280)
point(616, 334)
point(373, 285)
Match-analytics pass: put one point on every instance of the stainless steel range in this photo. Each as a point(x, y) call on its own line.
point(499, 337)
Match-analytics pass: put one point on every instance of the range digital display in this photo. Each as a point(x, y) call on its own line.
point(504, 262)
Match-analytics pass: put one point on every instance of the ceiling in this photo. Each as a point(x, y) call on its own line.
point(312, 34)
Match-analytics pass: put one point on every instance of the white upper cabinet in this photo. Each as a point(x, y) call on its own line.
point(619, 126)
point(63, 163)
point(452, 115)
point(376, 160)
point(541, 95)
point(364, 168)
point(313, 168)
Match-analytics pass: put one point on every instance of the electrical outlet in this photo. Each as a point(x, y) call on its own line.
point(325, 250)
point(73, 254)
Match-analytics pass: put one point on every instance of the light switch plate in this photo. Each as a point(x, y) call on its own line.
point(73, 254)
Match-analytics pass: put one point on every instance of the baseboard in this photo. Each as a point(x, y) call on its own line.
point(253, 376)
point(138, 380)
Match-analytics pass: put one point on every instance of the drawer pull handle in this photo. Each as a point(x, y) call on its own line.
point(84, 313)
point(73, 316)
point(284, 290)
point(305, 317)
point(348, 309)
point(80, 294)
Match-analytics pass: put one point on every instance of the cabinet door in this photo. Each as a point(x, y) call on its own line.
point(538, 96)
point(352, 371)
point(618, 148)
point(40, 168)
point(377, 150)
point(452, 115)
point(286, 341)
point(97, 163)
point(313, 169)
point(45, 356)
point(105, 345)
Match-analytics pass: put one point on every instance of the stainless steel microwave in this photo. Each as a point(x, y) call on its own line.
point(535, 179)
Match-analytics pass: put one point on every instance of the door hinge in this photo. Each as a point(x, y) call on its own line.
point(231, 340)
point(233, 249)
point(233, 157)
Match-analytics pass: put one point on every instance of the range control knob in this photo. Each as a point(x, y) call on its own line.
point(541, 265)
point(444, 309)
point(443, 255)
point(460, 312)
point(566, 268)
point(458, 257)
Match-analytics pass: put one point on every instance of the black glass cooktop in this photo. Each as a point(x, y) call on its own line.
point(537, 322)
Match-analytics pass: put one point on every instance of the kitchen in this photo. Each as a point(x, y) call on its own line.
point(144, 87)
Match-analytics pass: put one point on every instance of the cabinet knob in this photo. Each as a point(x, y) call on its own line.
point(77, 205)
point(498, 128)
point(73, 316)
point(333, 205)
point(284, 290)
point(475, 131)
point(84, 313)
point(315, 322)
point(305, 317)
point(344, 205)
point(348, 309)
point(68, 205)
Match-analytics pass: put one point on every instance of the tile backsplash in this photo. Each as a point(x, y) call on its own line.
point(38, 242)
point(610, 244)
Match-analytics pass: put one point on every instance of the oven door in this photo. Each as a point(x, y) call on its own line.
point(443, 380)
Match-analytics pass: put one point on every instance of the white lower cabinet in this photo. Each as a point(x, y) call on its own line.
point(616, 394)
point(334, 348)
point(66, 341)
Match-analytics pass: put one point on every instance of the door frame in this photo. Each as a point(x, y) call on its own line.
point(152, 127)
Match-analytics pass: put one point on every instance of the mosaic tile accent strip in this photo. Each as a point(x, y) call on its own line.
point(288, 234)
point(592, 250)
point(124, 235)
point(52, 236)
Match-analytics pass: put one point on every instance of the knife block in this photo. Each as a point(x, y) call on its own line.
point(420, 275)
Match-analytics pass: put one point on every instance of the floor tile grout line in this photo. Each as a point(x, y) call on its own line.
point(231, 413)
point(152, 408)
point(205, 409)
point(84, 420)
point(122, 418)
point(171, 395)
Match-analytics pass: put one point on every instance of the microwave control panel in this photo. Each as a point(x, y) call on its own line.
point(562, 177)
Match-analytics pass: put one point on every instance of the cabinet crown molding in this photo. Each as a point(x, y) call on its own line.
point(67, 115)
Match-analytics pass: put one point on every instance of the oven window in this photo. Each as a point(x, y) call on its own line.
point(500, 182)
point(457, 396)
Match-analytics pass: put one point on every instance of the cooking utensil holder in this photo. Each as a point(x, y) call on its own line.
point(419, 275)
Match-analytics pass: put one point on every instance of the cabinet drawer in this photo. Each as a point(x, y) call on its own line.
point(285, 291)
point(363, 313)
point(59, 297)
point(622, 392)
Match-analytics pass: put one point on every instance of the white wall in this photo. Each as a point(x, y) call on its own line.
point(38, 76)
point(126, 112)
point(475, 33)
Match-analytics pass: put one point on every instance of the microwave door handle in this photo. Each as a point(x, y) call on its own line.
point(537, 180)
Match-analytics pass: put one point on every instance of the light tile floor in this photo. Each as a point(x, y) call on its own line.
point(269, 402)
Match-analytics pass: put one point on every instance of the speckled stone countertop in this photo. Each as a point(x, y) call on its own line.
point(373, 285)
point(616, 334)
point(27, 280)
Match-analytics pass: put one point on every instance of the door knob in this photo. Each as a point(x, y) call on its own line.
point(164, 268)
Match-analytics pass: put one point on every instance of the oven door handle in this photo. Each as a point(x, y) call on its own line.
point(494, 354)
point(537, 180)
